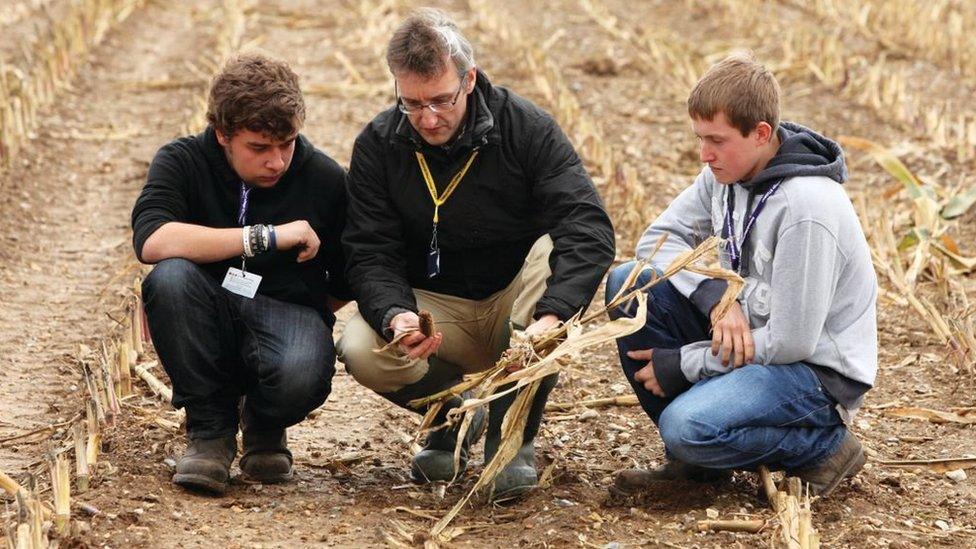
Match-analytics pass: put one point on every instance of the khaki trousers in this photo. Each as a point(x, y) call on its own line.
point(476, 332)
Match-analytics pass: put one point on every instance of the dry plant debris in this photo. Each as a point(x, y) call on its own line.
point(896, 72)
point(524, 365)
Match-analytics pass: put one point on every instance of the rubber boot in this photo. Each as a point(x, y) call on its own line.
point(435, 462)
point(205, 466)
point(266, 458)
point(520, 475)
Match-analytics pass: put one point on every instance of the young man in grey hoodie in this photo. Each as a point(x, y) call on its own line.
point(780, 374)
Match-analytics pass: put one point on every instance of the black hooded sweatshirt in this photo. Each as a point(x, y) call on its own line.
point(190, 181)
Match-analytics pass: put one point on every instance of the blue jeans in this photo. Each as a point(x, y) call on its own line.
point(218, 347)
point(776, 415)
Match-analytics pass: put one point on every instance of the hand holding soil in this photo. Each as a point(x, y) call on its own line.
point(298, 234)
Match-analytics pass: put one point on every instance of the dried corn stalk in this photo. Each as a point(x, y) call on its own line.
point(81, 457)
point(543, 355)
point(795, 529)
point(61, 488)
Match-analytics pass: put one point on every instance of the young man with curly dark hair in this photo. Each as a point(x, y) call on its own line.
point(242, 223)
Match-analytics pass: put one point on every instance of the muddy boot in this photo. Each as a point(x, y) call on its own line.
point(205, 466)
point(520, 475)
point(845, 462)
point(266, 458)
point(435, 462)
point(632, 481)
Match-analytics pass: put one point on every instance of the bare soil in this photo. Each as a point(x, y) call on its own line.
point(66, 265)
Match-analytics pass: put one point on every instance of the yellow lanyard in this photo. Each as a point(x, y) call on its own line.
point(429, 179)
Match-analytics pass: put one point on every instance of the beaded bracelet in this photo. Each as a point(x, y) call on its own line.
point(246, 237)
point(265, 238)
point(255, 239)
point(259, 239)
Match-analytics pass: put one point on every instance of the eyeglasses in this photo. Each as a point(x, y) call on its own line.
point(413, 107)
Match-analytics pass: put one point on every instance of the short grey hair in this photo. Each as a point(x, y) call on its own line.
point(422, 42)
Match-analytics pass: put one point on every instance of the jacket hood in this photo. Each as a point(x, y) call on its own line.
point(802, 152)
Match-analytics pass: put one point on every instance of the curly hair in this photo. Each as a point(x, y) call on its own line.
point(254, 92)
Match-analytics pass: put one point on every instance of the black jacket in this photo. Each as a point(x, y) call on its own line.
point(190, 181)
point(527, 181)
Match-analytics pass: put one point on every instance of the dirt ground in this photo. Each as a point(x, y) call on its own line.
point(66, 266)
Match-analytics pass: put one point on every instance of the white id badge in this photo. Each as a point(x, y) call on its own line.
point(242, 282)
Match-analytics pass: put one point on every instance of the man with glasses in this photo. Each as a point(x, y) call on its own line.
point(466, 201)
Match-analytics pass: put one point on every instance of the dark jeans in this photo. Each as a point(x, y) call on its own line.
point(217, 347)
point(776, 415)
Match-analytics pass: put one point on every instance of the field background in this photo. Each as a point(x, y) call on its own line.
point(91, 89)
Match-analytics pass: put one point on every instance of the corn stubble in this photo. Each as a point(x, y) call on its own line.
point(106, 374)
point(59, 46)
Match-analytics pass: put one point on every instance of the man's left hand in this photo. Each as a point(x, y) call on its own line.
point(646, 374)
point(543, 325)
point(732, 336)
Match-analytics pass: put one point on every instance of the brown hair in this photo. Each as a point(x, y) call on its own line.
point(740, 87)
point(254, 92)
point(423, 42)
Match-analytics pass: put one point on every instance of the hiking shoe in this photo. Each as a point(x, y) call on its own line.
point(205, 466)
point(632, 481)
point(845, 462)
point(266, 458)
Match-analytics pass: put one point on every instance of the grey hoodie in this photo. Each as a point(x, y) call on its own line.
point(810, 286)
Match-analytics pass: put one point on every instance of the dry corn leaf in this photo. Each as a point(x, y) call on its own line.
point(959, 204)
point(943, 246)
point(889, 162)
point(623, 400)
point(934, 465)
point(964, 416)
point(546, 355)
point(891, 191)
point(949, 244)
point(393, 343)
point(530, 377)
point(926, 215)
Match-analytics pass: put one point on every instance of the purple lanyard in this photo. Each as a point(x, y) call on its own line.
point(728, 227)
point(242, 212)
